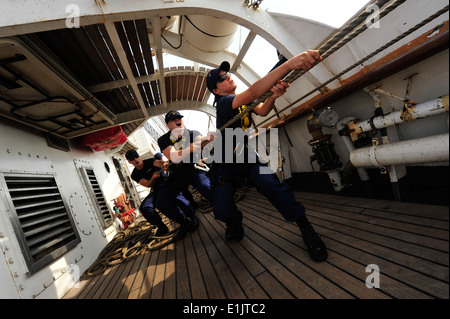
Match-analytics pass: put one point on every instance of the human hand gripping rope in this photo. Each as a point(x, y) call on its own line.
point(169, 165)
point(347, 33)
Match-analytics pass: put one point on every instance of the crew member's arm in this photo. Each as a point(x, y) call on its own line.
point(159, 163)
point(278, 90)
point(149, 182)
point(305, 61)
point(207, 139)
point(162, 163)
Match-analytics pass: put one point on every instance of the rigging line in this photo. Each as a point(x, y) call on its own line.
point(324, 51)
point(350, 26)
point(205, 33)
point(172, 46)
point(179, 32)
point(387, 45)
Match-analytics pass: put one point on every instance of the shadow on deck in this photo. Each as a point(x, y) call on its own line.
point(407, 242)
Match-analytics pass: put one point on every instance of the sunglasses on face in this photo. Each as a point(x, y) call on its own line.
point(223, 77)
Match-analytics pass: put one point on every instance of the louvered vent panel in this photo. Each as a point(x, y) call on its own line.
point(102, 205)
point(43, 224)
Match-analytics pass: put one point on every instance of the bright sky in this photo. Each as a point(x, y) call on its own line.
point(331, 12)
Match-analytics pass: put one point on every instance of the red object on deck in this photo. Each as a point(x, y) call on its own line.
point(128, 212)
point(105, 139)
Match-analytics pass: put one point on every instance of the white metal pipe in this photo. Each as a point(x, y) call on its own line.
point(422, 110)
point(363, 175)
point(336, 180)
point(448, 127)
point(432, 149)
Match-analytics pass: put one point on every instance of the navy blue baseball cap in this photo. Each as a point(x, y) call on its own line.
point(213, 75)
point(172, 115)
point(131, 155)
point(158, 156)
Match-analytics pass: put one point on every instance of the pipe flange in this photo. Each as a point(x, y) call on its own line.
point(373, 156)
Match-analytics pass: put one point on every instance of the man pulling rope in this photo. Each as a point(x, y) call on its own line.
point(228, 105)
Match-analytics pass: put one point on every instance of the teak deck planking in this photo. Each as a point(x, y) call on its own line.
point(408, 242)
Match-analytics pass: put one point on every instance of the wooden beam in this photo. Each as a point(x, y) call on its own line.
point(245, 47)
point(156, 110)
point(112, 32)
point(157, 46)
point(121, 83)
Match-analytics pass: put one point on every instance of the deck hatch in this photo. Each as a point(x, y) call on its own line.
point(40, 217)
point(98, 197)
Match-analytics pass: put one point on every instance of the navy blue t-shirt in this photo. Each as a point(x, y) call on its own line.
point(147, 172)
point(224, 113)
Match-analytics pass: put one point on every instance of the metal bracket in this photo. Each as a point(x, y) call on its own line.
point(375, 142)
point(408, 109)
point(253, 3)
point(408, 112)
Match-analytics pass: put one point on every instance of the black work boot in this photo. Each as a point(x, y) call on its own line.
point(186, 227)
point(162, 230)
point(315, 245)
point(235, 230)
point(194, 220)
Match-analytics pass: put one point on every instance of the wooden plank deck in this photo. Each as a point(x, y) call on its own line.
point(408, 242)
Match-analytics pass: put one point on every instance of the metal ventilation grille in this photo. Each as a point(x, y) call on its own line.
point(58, 142)
point(44, 227)
point(100, 199)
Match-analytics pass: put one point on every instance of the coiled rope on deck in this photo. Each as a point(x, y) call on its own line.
point(204, 206)
point(140, 238)
point(128, 244)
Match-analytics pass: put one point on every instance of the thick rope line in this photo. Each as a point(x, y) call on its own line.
point(128, 244)
point(387, 45)
point(327, 49)
point(350, 26)
point(141, 238)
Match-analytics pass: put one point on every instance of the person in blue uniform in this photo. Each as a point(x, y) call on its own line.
point(228, 105)
point(182, 147)
point(149, 173)
point(186, 192)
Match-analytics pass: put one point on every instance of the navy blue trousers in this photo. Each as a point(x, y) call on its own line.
point(279, 194)
point(170, 190)
point(148, 205)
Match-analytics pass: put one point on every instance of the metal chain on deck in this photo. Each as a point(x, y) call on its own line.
point(341, 38)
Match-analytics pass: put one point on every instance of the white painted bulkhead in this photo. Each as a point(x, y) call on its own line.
point(24, 150)
point(431, 82)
